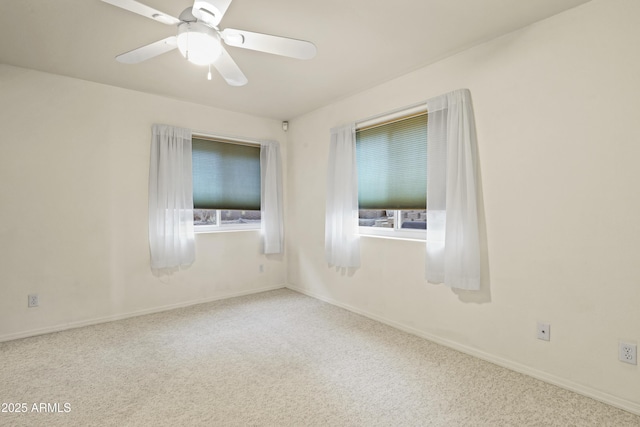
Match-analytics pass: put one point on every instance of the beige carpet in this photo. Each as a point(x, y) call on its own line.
point(272, 359)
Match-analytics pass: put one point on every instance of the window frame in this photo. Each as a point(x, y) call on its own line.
point(393, 233)
point(396, 232)
point(218, 227)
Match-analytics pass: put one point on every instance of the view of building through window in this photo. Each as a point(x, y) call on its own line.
point(204, 217)
point(394, 219)
point(225, 217)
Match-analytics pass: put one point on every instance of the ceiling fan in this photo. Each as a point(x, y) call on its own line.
point(199, 39)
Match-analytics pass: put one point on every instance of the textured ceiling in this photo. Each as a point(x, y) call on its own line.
point(360, 43)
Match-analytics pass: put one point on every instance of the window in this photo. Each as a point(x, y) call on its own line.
point(392, 176)
point(226, 185)
point(393, 219)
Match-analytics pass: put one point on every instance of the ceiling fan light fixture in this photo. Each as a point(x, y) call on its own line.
point(199, 39)
point(199, 43)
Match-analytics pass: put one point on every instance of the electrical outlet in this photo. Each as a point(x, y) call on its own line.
point(628, 353)
point(261, 268)
point(544, 331)
point(32, 300)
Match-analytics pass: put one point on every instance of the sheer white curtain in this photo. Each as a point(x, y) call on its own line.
point(342, 244)
point(271, 224)
point(453, 244)
point(171, 239)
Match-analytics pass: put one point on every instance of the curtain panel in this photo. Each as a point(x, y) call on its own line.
point(171, 236)
point(272, 223)
point(342, 244)
point(453, 243)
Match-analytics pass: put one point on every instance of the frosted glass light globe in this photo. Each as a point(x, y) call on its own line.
point(199, 43)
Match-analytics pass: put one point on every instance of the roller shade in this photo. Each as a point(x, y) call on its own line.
point(392, 165)
point(225, 175)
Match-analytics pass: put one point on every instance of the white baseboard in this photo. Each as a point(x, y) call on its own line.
point(97, 320)
point(601, 396)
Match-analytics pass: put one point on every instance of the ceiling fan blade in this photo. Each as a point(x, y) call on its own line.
point(141, 9)
point(229, 70)
point(210, 11)
point(292, 48)
point(149, 51)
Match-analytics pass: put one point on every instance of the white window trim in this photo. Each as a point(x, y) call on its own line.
point(393, 233)
point(390, 233)
point(205, 229)
point(380, 233)
point(218, 227)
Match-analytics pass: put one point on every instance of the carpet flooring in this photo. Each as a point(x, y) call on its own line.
point(276, 358)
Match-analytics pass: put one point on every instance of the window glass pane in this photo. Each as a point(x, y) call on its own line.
point(381, 218)
point(392, 165)
point(413, 219)
point(204, 217)
point(225, 175)
point(228, 217)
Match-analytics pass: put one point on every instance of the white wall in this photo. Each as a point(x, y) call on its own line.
point(74, 170)
point(557, 107)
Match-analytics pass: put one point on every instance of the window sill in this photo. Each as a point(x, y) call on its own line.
point(381, 233)
point(203, 229)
